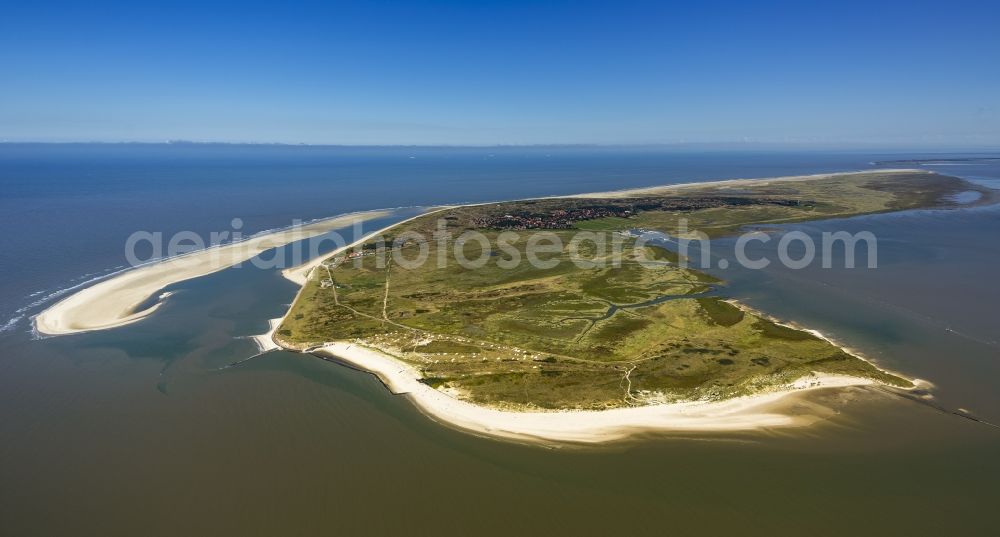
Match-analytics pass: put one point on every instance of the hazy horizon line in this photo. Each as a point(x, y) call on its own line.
point(729, 144)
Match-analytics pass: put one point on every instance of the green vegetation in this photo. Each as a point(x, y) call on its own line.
point(634, 329)
point(719, 312)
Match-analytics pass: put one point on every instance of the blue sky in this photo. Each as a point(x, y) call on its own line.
point(845, 73)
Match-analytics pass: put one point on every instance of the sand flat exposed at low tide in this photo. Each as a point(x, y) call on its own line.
point(113, 302)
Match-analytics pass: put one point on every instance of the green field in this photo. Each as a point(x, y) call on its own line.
point(629, 327)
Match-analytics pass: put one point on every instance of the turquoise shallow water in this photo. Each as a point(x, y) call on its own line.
point(139, 431)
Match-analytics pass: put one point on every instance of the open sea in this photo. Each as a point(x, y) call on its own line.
point(141, 430)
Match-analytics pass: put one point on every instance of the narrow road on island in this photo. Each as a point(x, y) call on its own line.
point(626, 383)
point(385, 299)
point(333, 285)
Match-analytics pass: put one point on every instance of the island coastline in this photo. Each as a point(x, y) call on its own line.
point(758, 411)
point(752, 412)
point(755, 412)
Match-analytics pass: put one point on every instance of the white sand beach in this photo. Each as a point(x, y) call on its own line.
point(731, 183)
point(265, 342)
point(300, 274)
point(583, 426)
point(113, 302)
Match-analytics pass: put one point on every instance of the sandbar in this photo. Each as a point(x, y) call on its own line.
point(114, 302)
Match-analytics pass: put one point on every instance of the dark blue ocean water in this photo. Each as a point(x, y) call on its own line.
point(138, 431)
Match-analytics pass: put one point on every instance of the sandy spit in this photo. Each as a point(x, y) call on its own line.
point(265, 342)
point(113, 302)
